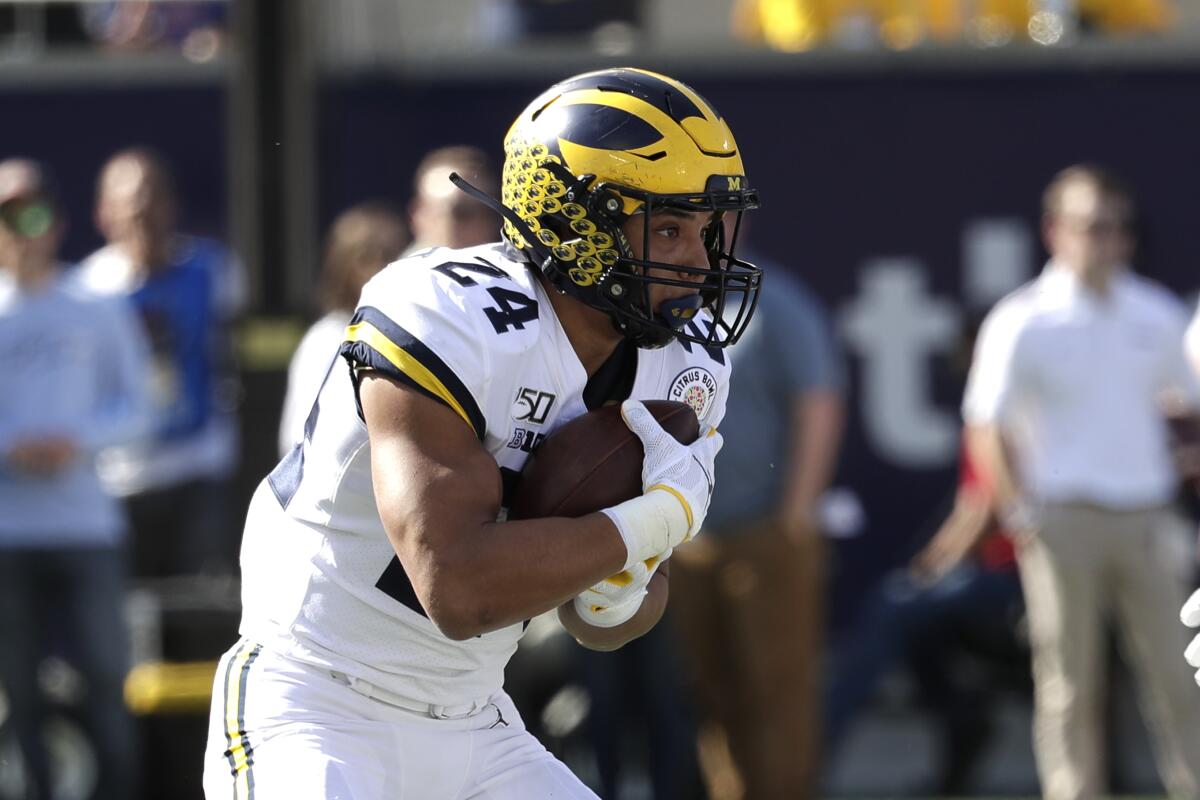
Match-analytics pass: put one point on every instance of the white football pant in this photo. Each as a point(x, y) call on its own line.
point(284, 730)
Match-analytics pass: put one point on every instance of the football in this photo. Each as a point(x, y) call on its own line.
point(592, 462)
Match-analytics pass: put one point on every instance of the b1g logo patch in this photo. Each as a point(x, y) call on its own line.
point(695, 386)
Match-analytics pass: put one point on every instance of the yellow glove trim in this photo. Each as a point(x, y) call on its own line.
point(620, 579)
point(624, 578)
point(687, 509)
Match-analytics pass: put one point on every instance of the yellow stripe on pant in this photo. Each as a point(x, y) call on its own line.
point(238, 750)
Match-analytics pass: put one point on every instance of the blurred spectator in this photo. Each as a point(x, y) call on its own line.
point(748, 595)
point(362, 240)
point(187, 290)
point(960, 594)
point(795, 25)
point(1064, 408)
point(442, 216)
point(73, 382)
point(195, 28)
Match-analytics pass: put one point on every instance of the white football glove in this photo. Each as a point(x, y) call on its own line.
point(677, 484)
point(617, 598)
point(1191, 617)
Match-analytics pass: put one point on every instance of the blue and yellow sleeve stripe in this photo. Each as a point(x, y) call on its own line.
point(375, 342)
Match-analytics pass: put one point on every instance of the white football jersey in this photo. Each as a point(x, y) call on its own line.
point(475, 330)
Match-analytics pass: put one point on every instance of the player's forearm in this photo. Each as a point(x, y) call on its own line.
point(502, 573)
point(604, 639)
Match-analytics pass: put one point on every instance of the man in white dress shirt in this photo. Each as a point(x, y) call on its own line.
point(1065, 409)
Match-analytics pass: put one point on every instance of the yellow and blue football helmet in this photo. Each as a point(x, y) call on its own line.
point(594, 150)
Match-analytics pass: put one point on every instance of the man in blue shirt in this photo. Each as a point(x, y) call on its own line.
point(73, 379)
point(186, 289)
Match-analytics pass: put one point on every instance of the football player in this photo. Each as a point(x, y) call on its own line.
point(383, 592)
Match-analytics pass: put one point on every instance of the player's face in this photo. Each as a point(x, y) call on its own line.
point(1091, 231)
point(676, 237)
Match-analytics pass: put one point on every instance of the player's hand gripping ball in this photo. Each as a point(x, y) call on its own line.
point(670, 470)
point(592, 463)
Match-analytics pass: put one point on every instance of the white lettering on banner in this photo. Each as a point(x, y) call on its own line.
point(894, 325)
point(896, 328)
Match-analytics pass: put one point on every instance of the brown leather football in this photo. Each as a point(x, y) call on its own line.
point(592, 462)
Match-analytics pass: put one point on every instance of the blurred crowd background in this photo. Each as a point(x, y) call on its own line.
point(232, 171)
